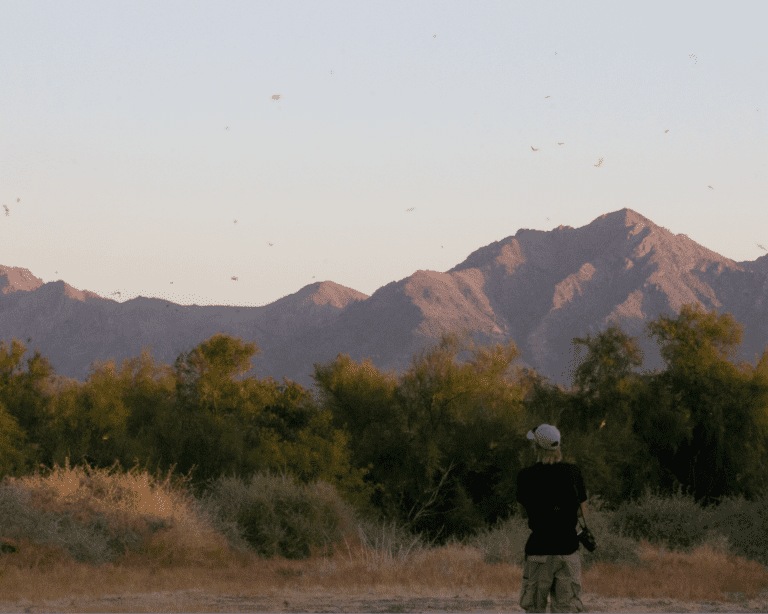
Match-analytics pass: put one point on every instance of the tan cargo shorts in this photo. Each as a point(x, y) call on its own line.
point(556, 575)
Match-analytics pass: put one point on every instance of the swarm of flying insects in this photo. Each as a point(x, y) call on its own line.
point(276, 96)
point(599, 163)
point(690, 55)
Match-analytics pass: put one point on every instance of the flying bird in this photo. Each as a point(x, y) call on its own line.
point(235, 278)
point(276, 96)
point(666, 131)
point(6, 209)
point(534, 149)
point(546, 96)
point(171, 282)
point(599, 163)
point(227, 128)
point(18, 200)
point(710, 187)
point(270, 244)
point(547, 219)
point(411, 209)
point(434, 36)
point(762, 248)
point(561, 143)
point(57, 272)
point(235, 221)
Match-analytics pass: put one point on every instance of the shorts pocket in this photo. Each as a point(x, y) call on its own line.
point(566, 597)
point(527, 595)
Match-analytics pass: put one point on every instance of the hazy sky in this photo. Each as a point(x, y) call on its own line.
point(134, 134)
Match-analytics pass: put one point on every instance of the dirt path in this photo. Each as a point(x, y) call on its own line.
point(370, 601)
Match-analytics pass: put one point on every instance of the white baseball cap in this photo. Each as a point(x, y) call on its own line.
point(547, 437)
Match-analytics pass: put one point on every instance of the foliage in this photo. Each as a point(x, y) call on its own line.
point(436, 449)
point(672, 521)
point(280, 515)
point(433, 436)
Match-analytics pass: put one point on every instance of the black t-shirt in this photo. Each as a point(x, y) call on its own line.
point(551, 495)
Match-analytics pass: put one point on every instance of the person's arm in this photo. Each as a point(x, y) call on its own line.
point(582, 511)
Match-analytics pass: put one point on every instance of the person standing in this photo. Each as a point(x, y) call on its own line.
point(552, 494)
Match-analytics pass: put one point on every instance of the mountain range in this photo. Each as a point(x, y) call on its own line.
point(537, 288)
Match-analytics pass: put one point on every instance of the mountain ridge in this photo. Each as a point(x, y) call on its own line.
point(538, 288)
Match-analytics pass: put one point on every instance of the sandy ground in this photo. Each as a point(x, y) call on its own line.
point(370, 601)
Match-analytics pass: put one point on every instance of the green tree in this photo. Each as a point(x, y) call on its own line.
point(362, 403)
point(212, 366)
point(428, 435)
point(601, 379)
point(598, 421)
point(23, 400)
point(218, 425)
point(697, 347)
point(13, 460)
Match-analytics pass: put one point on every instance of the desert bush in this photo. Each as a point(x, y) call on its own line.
point(677, 522)
point(746, 524)
point(275, 515)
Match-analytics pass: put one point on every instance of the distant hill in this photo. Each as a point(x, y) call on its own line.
point(538, 288)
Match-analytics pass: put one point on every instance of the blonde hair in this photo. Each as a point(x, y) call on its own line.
point(549, 457)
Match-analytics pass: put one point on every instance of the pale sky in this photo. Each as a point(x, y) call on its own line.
point(134, 134)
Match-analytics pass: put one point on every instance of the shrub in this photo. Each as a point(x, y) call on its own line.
point(274, 515)
point(677, 522)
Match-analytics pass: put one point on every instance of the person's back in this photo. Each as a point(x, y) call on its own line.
point(552, 494)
